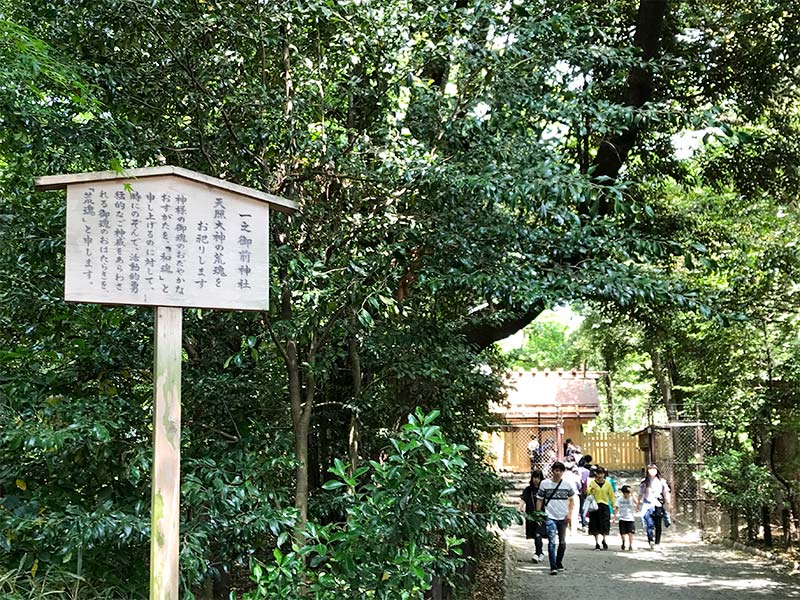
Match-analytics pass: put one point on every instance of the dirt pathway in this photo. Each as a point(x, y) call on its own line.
point(684, 569)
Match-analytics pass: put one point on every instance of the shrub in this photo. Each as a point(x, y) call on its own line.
point(405, 521)
point(736, 482)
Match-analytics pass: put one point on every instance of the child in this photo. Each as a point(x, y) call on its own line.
point(627, 523)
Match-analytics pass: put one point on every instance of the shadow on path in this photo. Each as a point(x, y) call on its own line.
point(685, 568)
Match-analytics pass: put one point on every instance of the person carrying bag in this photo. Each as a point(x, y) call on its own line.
point(556, 499)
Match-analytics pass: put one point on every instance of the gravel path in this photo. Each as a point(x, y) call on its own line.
point(684, 569)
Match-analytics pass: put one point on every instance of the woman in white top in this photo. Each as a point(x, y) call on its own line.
point(655, 495)
point(573, 477)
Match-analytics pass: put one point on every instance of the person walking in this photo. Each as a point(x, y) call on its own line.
point(533, 527)
point(600, 519)
point(583, 471)
point(654, 498)
point(570, 449)
point(571, 473)
point(556, 498)
point(533, 452)
point(610, 478)
point(626, 507)
point(573, 477)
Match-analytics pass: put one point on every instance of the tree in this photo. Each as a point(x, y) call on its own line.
point(548, 344)
point(441, 155)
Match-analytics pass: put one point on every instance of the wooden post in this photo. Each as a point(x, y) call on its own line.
point(559, 441)
point(165, 497)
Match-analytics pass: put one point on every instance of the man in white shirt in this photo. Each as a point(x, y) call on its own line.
point(556, 498)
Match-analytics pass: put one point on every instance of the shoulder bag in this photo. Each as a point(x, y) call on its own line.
point(553, 493)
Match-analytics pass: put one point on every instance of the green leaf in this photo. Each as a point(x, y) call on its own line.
point(333, 485)
point(100, 432)
point(365, 318)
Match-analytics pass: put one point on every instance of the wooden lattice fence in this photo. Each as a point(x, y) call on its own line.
point(615, 451)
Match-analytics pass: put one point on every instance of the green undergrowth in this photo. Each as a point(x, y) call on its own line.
point(53, 584)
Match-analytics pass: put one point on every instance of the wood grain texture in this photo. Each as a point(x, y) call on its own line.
point(165, 497)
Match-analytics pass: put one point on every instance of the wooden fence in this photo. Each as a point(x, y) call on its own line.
point(615, 451)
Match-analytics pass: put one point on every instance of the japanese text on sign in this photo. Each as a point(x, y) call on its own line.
point(152, 242)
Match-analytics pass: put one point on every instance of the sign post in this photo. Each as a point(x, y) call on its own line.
point(169, 238)
point(165, 495)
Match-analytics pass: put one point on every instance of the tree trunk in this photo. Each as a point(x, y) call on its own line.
point(786, 527)
point(751, 526)
point(764, 459)
point(301, 402)
point(766, 523)
point(353, 433)
point(300, 427)
point(609, 394)
point(786, 440)
point(675, 384)
point(613, 150)
point(301, 412)
point(664, 382)
point(611, 155)
point(734, 515)
point(482, 335)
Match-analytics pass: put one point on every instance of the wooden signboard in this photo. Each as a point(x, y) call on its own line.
point(169, 238)
point(166, 237)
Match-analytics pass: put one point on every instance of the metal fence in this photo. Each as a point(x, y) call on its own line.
point(679, 450)
point(535, 446)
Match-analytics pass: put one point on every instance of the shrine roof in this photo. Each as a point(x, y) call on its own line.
point(572, 394)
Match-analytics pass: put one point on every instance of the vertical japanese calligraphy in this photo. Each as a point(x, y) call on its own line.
point(87, 218)
point(150, 243)
point(120, 218)
point(155, 242)
point(245, 243)
point(103, 224)
point(219, 241)
point(180, 243)
point(134, 266)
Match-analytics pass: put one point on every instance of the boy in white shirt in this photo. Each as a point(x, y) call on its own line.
point(626, 506)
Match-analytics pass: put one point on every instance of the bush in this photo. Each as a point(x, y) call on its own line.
point(54, 584)
point(405, 524)
point(736, 482)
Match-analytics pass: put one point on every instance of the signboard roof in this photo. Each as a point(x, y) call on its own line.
point(57, 182)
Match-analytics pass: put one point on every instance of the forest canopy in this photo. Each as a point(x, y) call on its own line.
point(459, 167)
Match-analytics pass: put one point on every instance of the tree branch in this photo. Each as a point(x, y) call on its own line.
point(613, 151)
point(483, 335)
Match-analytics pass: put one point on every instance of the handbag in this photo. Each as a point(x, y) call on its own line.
point(590, 504)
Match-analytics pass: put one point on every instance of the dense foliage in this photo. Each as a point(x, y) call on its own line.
point(736, 482)
point(459, 167)
point(404, 523)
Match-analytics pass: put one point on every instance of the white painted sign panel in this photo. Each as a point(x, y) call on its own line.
point(166, 241)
